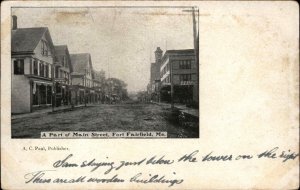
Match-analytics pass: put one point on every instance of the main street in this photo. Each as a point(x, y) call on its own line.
point(128, 116)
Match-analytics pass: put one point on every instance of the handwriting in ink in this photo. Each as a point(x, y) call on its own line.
point(124, 163)
point(37, 177)
point(288, 155)
point(138, 178)
point(243, 157)
point(96, 165)
point(64, 163)
point(269, 153)
point(190, 157)
point(209, 157)
point(161, 160)
point(114, 179)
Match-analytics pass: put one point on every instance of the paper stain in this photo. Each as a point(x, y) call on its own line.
point(239, 20)
point(165, 13)
point(77, 17)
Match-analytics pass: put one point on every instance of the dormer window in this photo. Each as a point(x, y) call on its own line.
point(64, 61)
point(45, 50)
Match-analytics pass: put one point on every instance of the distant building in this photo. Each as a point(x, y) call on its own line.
point(179, 66)
point(99, 84)
point(82, 78)
point(153, 88)
point(32, 58)
point(62, 74)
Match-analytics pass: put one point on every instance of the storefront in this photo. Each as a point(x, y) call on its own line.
point(77, 95)
point(63, 94)
point(41, 94)
point(182, 94)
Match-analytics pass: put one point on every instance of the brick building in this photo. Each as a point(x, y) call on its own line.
point(179, 67)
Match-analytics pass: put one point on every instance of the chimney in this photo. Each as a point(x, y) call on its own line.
point(158, 55)
point(14, 22)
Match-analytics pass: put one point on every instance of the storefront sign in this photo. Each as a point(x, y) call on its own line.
point(187, 83)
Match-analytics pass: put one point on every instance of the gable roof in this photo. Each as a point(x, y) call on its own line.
point(80, 62)
point(60, 49)
point(26, 39)
point(63, 50)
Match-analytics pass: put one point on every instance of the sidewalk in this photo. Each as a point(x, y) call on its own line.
point(190, 111)
point(44, 111)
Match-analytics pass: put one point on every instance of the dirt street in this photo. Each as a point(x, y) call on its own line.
point(131, 116)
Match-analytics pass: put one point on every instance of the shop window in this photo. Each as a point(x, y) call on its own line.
point(35, 90)
point(19, 67)
point(42, 94)
point(49, 94)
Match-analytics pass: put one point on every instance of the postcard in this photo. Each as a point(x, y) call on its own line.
point(150, 95)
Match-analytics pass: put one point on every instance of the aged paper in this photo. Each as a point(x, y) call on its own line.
point(248, 130)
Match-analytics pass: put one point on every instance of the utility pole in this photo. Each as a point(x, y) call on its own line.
point(196, 47)
point(109, 83)
point(53, 88)
point(172, 85)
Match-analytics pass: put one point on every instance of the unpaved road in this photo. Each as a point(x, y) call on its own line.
point(131, 116)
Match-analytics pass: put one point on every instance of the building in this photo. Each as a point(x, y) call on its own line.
point(62, 74)
point(154, 83)
point(82, 79)
point(32, 58)
point(99, 84)
point(98, 91)
point(178, 67)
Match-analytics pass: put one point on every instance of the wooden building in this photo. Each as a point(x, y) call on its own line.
point(32, 58)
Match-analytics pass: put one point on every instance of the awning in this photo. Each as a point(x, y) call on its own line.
point(42, 82)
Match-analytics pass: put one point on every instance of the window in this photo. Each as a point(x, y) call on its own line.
point(49, 94)
point(185, 64)
point(44, 48)
point(185, 77)
point(41, 69)
point(63, 60)
point(19, 67)
point(35, 67)
point(56, 72)
point(47, 70)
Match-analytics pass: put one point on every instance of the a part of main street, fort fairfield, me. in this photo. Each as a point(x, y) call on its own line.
point(67, 78)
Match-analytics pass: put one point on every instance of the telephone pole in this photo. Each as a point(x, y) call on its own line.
point(196, 47)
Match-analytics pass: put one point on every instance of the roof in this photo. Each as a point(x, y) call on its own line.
point(76, 73)
point(80, 62)
point(181, 51)
point(60, 49)
point(26, 39)
point(178, 52)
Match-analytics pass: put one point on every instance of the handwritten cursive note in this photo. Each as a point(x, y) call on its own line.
point(111, 168)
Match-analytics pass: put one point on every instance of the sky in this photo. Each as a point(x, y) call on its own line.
point(121, 41)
